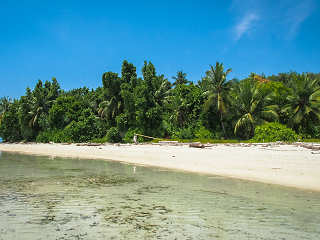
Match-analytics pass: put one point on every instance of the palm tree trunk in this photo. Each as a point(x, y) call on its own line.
point(222, 125)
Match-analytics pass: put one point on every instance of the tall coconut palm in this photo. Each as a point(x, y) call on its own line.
point(180, 79)
point(35, 114)
point(253, 105)
point(162, 89)
point(4, 105)
point(304, 102)
point(179, 105)
point(217, 88)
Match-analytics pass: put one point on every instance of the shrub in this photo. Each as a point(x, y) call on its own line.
point(57, 136)
point(113, 135)
point(60, 136)
point(184, 133)
point(85, 129)
point(122, 122)
point(100, 140)
point(78, 131)
point(44, 137)
point(272, 132)
point(128, 137)
point(9, 125)
point(315, 132)
point(203, 133)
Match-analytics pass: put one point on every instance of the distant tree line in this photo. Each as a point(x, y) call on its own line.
point(212, 108)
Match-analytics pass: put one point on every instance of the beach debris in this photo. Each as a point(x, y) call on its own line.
point(314, 147)
point(169, 142)
point(89, 144)
point(197, 145)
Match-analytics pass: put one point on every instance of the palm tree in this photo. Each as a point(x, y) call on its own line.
point(304, 102)
point(216, 80)
point(4, 105)
point(37, 106)
point(35, 114)
point(181, 78)
point(179, 106)
point(252, 103)
point(162, 89)
point(109, 109)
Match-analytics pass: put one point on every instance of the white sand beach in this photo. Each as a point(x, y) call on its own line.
point(287, 165)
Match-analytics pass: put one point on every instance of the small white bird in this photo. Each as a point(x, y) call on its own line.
point(134, 169)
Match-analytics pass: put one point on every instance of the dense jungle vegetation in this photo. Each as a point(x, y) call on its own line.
point(213, 108)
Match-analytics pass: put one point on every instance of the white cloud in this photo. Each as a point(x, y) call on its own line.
point(283, 19)
point(245, 25)
point(297, 14)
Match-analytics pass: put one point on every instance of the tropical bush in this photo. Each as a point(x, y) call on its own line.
point(45, 137)
point(203, 133)
point(184, 133)
point(272, 132)
point(9, 125)
point(113, 135)
point(128, 137)
point(56, 136)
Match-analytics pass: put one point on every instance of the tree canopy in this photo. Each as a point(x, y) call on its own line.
point(214, 107)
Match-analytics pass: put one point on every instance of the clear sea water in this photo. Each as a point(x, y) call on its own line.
point(59, 198)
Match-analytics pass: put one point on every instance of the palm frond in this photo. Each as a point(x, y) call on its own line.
point(244, 121)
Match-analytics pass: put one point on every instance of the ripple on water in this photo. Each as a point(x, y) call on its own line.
point(83, 199)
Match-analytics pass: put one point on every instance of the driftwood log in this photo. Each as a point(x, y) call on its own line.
point(197, 145)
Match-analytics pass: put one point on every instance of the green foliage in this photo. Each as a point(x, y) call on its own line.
point(99, 140)
point(316, 132)
point(184, 105)
point(4, 106)
point(128, 138)
point(122, 122)
point(272, 132)
point(34, 108)
point(56, 136)
point(180, 79)
point(253, 107)
point(203, 133)
point(207, 111)
point(44, 137)
point(312, 140)
point(184, 133)
point(85, 129)
point(113, 135)
point(9, 125)
point(65, 110)
point(304, 103)
point(216, 88)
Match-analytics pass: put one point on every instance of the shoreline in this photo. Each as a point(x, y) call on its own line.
point(286, 165)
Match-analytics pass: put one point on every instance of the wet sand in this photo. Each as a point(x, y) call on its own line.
point(287, 165)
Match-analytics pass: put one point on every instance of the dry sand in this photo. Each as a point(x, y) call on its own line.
point(287, 165)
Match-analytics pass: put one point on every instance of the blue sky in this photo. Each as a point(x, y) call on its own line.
point(76, 41)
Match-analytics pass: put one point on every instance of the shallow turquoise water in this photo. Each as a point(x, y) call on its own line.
point(57, 198)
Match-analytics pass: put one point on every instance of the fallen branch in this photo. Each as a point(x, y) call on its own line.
point(196, 145)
